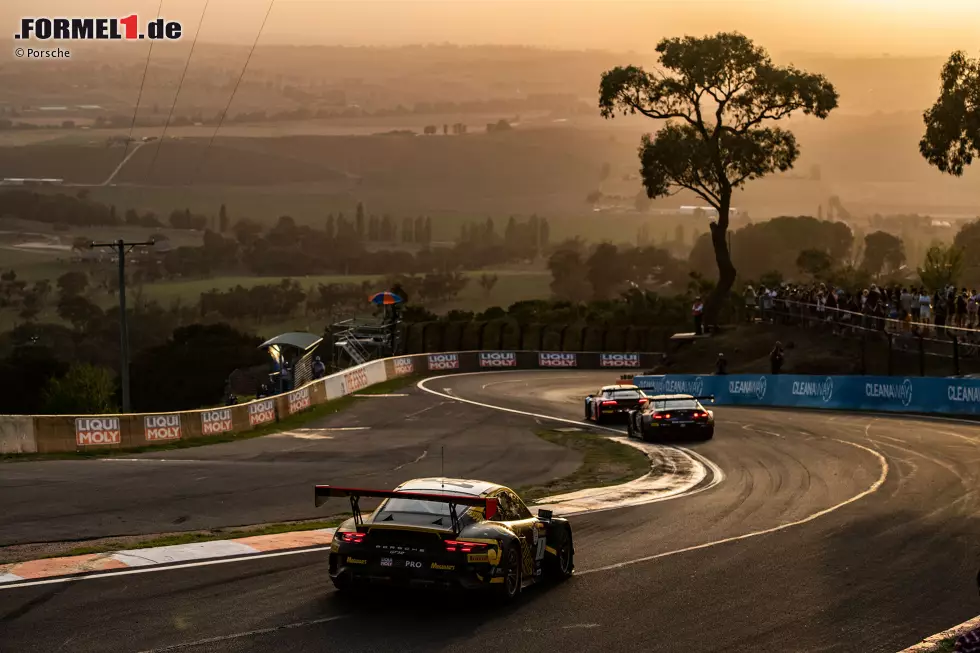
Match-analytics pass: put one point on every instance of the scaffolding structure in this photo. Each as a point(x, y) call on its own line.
point(356, 342)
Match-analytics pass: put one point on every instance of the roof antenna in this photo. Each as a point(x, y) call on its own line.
point(442, 470)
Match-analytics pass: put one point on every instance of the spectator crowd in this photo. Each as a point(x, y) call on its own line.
point(905, 309)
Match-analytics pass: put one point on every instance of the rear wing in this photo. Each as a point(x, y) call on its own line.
point(663, 398)
point(323, 492)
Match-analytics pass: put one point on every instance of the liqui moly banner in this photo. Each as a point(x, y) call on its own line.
point(557, 359)
point(161, 427)
point(299, 400)
point(443, 362)
point(97, 431)
point(619, 360)
point(216, 421)
point(261, 412)
point(404, 366)
point(498, 359)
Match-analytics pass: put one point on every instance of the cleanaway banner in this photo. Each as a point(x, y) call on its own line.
point(938, 396)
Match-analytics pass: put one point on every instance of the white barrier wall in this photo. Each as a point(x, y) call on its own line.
point(17, 434)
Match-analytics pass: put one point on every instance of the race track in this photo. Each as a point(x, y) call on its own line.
point(830, 532)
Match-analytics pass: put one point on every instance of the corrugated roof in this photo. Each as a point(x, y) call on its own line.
point(297, 339)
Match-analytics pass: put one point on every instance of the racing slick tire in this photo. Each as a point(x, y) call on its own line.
point(630, 433)
point(588, 411)
point(711, 434)
point(512, 563)
point(561, 565)
point(344, 584)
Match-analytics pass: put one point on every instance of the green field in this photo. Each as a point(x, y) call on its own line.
point(512, 286)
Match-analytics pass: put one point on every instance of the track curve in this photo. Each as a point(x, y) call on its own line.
point(865, 542)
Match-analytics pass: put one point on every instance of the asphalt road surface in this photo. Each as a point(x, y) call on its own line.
point(270, 479)
point(830, 532)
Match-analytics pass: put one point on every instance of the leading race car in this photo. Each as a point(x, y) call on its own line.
point(672, 416)
point(613, 401)
point(450, 533)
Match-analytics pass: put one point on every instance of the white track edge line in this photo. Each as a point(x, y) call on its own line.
point(826, 511)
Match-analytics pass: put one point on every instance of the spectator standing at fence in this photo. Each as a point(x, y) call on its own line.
point(776, 357)
point(262, 392)
point(939, 306)
point(286, 376)
point(751, 301)
point(319, 369)
point(721, 365)
point(925, 306)
point(697, 311)
point(971, 309)
point(961, 308)
point(905, 301)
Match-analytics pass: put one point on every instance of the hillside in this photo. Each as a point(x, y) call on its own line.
point(871, 162)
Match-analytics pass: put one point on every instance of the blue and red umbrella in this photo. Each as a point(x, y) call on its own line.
point(385, 299)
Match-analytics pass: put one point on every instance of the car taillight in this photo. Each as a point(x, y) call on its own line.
point(658, 416)
point(458, 546)
point(353, 538)
point(611, 402)
point(700, 415)
point(642, 401)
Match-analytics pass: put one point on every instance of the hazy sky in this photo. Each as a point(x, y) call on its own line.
point(844, 27)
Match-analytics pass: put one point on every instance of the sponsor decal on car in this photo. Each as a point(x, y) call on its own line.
point(216, 421)
point(443, 362)
point(619, 360)
point(355, 380)
point(557, 359)
point(97, 431)
point(498, 359)
point(404, 366)
point(299, 400)
point(261, 412)
point(355, 561)
point(477, 557)
point(436, 565)
point(161, 427)
point(898, 391)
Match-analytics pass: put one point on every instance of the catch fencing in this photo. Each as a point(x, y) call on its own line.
point(888, 345)
point(21, 434)
point(935, 396)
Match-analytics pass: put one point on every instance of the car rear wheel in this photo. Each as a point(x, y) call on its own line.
point(561, 565)
point(344, 583)
point(630, 433)
point(508, 590)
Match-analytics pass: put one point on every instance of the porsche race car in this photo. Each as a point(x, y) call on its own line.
point(613, 401)
point(448, 533)
point(672, 416)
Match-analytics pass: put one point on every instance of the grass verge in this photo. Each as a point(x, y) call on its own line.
point(287, 423)
point(947, 645)
point(605, 462)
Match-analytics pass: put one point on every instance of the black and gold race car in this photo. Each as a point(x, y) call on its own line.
point(663, 417)
point(613, 401)
point(448, 533)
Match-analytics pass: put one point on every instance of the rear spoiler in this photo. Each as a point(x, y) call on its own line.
point(323, 492)
point(710, 398)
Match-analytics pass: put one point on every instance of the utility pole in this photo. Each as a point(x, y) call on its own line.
point(122, 248)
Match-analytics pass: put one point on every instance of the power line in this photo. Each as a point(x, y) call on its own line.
point(180, 84)
point(224, 113)
point(139, 96)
